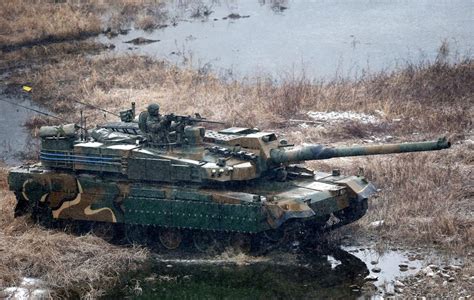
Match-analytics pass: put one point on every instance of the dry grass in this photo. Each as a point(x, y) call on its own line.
point(79, 266)
point(425, 198)
point(430, 98)
point(122, 15)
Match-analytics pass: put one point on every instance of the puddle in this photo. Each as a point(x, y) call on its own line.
point(337, 274)
point(385, 267)
point(321, 38)
point(276, 276)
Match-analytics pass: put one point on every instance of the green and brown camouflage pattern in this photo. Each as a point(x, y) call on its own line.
point(232, 180)
point(258, 207)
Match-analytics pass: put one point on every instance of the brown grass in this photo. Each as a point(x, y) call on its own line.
point(430, 98)
point(79, 266)
point(425, 198)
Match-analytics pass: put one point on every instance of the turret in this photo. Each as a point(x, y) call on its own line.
point(319, 152)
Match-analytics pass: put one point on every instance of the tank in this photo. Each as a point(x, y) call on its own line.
point(167, 179)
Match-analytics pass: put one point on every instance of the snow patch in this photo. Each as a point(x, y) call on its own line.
point(377, 224)
point(342, 116)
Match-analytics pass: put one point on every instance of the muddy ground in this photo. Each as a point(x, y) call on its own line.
point(424, 208)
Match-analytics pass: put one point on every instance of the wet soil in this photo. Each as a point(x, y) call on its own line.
point(47, 41)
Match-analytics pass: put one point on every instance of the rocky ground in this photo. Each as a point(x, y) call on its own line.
point(440, 281)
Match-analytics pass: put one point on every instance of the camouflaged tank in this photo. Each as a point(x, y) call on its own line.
point(237, 185)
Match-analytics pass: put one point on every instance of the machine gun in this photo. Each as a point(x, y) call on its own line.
point(188, 120)
point(174, 126)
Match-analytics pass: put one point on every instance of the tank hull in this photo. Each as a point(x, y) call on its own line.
point(255, 207)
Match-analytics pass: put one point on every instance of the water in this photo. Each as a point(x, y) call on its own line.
point(15, 139)
point(321, 38)
point(335, 274)
point(388, 261)
point(291, 277)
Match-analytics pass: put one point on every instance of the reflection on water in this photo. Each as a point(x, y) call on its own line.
point(311, 275)
point(385, 266)
point(334, 273)
point(322, 37)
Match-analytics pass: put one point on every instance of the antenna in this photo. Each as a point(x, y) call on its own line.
point(39, 112)
point(82, 130)
point(96, 107)
point(32, 109)
point(85, 127)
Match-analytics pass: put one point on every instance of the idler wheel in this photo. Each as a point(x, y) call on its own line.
point(170, 238)
point(205, 242)
point(241, 242)
point(105, 231)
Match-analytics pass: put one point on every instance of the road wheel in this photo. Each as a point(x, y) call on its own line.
point(170, 238)
point(205, 242)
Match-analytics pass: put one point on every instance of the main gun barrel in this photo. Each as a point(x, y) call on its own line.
point(319, 152)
